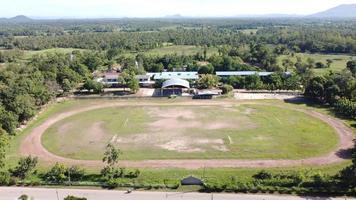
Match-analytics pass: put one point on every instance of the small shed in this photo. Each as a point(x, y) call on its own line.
point(191, 180)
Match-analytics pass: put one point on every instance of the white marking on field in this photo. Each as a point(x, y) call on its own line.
point(279, 121)
point(230, 140)
point(126, 121)
point(113, 139)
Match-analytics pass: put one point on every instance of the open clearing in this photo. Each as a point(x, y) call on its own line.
point(339, 61)
point(190, 134)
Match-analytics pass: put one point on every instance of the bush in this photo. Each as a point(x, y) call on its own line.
point(226, 89)
point(94, 86)
point(346, 107)
point(75, 198)
point(262, 175)
point(23, 197)
point(57, 174)
point(76, 173)
point(24, 167)
point(5, 178)
point(133, 174)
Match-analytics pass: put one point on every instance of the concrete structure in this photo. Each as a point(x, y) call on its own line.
point(176, 83)
point(174, 86)
point(191, 181)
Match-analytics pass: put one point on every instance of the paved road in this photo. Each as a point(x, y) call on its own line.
point(11, 193)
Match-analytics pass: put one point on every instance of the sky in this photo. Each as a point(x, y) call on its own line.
point(161, 8)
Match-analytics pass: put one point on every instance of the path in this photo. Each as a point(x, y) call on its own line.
point(10, 193)
point(32, 145)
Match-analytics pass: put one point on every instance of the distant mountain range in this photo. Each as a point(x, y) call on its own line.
point(341, 11)
point(17, 19)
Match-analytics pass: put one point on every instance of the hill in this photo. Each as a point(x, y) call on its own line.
point(17, 19)
point(341, 11)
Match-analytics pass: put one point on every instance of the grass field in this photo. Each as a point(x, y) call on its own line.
point(29, 54)
point(339, 61)
point(244, 131)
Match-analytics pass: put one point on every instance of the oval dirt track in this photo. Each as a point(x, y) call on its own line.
point(32, 144)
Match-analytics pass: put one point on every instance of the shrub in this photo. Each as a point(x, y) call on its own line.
point(346, 107)
point(262, 175)
point(132, 174)
point(23, 197)
point(5, 178)
point(226, 89)
point(24, 167)
point(76, 173)
point(57, 174)
point(75, 198)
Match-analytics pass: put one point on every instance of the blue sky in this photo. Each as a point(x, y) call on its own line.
point(158, 8)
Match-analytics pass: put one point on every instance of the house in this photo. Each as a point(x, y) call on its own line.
point(191, 181)
point(145, 80)
point(111, 79)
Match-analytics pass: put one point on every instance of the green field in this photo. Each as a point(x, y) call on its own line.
point(339, 61)
point(29, 54)
point(245, 131)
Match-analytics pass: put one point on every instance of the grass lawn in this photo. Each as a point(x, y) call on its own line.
point(242, 131)
point(339, 61)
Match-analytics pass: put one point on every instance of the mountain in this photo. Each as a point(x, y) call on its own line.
point(269, 16)
point(17, 19)
point(176, 16)
point(341, 11)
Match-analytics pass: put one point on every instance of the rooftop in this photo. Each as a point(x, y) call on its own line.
point(170, 75)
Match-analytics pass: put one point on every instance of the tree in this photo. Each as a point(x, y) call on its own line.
point(111, 158)
point(4, 143)
point(94, 86)
point(24, 106)
point(351, 65)
point(287, 64)
point(348, 175)
point(208, 81)
point(315, 88)
point(8, 120)
point(111, 155)
point(133, 84)
point(253, 82)
point(75, 173)
point(112, 53)
point(207, 69)
point(24, 167)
